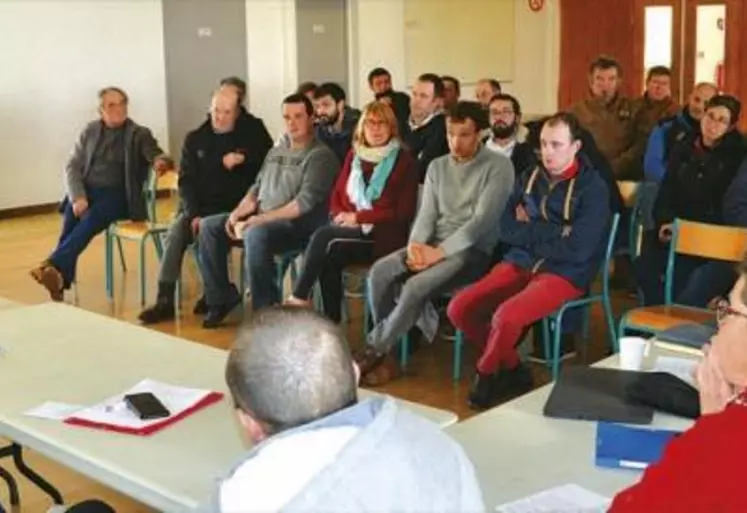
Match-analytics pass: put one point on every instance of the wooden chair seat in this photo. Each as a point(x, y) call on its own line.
point(660, 318)
point(136, 229)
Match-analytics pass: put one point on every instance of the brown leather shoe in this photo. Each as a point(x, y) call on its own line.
point(53, 282)
point(383, 373)
point(367, 360)
point(37, 273)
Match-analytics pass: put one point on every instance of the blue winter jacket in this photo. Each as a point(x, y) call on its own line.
point(660, 142)
point(568, 228)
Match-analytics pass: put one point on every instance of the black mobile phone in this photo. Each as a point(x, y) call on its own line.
point(146, 406)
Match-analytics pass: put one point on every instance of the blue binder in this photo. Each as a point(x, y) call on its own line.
point(620, 446)
point(688, 334)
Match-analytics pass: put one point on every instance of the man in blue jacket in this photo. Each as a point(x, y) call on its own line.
point(672, 129)
point(556, 225)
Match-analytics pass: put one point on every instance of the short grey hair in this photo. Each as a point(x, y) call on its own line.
point(112, 89)
point(289, 366)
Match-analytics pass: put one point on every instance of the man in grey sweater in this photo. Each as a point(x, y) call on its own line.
point(104, 181)
point(286, 204)
point(453, 236)
point(316, 448)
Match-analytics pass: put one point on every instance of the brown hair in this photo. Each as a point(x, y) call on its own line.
point(380, 110)
point(605, 62)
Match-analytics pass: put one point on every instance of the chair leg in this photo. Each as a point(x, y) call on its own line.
point(404, 350)
point(108, 264)
point(585, 323)
point(143, 283)
point(458, 347)
point(546, 340)
point(610, 319)
point(121, 255)
point(556, 336)
point(12, 487)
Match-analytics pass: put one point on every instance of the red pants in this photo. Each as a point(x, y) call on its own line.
point(515, 299)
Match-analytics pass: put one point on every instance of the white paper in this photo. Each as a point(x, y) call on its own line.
point(683, 368)
point(114, 411)
point(570, 498)
point(53, 411)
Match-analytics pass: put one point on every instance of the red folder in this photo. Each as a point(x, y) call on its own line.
point(211, 398)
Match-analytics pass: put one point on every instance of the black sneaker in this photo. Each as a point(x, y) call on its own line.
point(513, 382)
point(162, 311)
point(482, 392)
point(217, 314)
point(201, 307)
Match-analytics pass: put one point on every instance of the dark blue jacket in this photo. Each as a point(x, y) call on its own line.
point(568, 231)
point(661, 141)
point(340, 142)
point(735, 199)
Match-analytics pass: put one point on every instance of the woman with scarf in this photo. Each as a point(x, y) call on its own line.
point(371, 209)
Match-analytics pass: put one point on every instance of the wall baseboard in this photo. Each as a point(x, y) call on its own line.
point(31, 210)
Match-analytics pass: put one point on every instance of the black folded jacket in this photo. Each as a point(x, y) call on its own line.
point(665, 392)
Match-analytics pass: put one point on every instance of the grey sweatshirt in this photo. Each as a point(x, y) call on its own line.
point(462, 203)
point(305, 175)
point(374, 456)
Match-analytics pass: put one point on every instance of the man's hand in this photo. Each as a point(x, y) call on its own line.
point(80, 206)
point(233, 218)
point(233, 159)
point(428, 257)
point(521, 214)
point(715, 391)
point(665, 232)
point(414, 255)
point(162, 164)
point(195, 224)
point(348, 219)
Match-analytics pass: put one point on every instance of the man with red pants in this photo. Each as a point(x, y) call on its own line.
point(556, 226)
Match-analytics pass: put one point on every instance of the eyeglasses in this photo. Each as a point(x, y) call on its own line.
point(375, 123)
point(724, 311)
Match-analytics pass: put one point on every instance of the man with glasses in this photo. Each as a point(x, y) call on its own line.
point(507, 134)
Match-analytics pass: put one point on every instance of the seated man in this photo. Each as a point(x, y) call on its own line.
point(556, 226)
point(485, 90)
point(702, 469)
point(104, 179)
point(673, 129)
point(701, 171)
point(451, 240)
point(220, 161)
point(508, 135)
point(426, 135)
point(380, 82)
point(656, 103)
point(281, 210)
point(336, 121)
point(315, 446)
point(452, 91)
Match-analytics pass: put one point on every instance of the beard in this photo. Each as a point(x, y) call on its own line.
point(328, 120)
point(501, 131)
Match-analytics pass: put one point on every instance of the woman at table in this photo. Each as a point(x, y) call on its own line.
point(371, 209)
point(703, 469)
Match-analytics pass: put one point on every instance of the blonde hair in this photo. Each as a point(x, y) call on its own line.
point(379, 110)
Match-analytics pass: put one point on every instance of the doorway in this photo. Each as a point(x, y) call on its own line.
point(697, 39)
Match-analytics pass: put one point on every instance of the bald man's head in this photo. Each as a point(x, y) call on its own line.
point(289, 367)
point(224, 110)
point(700, 95)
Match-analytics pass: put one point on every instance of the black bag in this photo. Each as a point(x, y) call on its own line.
point(665, 392)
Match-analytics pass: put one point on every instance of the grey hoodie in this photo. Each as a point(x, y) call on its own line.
point(372, 457)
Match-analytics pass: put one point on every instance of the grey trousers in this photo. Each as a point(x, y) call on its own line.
point(178, 240)
point(393, 316)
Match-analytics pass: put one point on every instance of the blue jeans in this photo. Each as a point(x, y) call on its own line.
point(261, 244)
point(104, 207)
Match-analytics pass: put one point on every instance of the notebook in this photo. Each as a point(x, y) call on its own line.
point(592, 393)
point(688, 335)
point(629, 447)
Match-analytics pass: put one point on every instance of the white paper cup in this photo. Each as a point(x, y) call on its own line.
point(632, 352)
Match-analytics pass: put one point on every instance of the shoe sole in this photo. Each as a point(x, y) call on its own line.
point(214, 325)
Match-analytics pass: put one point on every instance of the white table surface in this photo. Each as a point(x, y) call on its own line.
point(518, 452)
point(61, 353)
point(7, 303)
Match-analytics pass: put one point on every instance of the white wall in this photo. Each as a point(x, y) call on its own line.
point(271, 54)
point(54, 56)
point(378, 39)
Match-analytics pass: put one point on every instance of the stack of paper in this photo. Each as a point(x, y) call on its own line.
point(570, 498)
point(113, 414)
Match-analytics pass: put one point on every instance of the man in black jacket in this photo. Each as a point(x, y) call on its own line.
point(220, 161)
point(507, 135)
point(380, 82)
point(426, 136)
